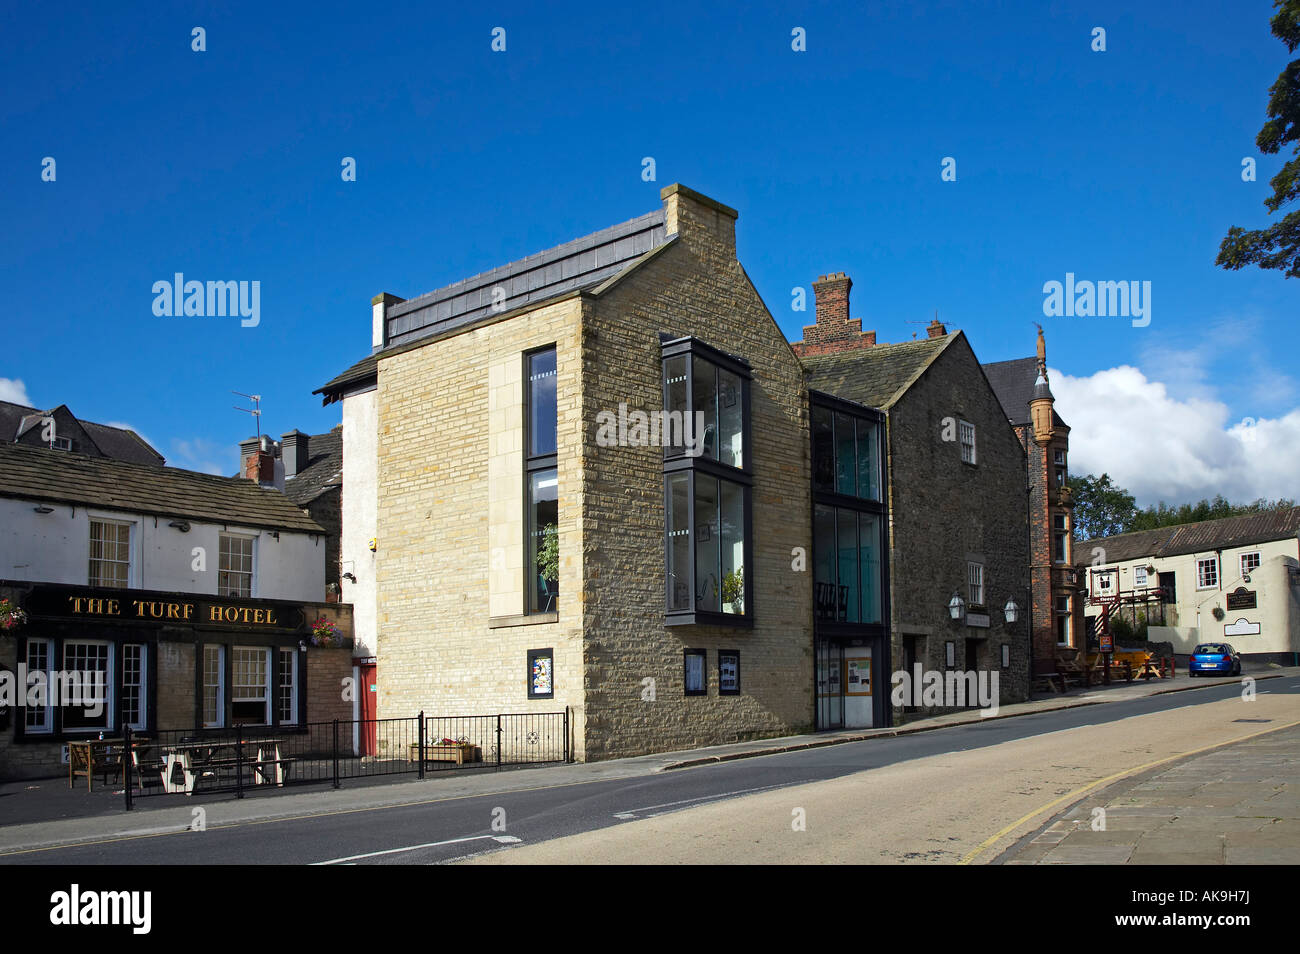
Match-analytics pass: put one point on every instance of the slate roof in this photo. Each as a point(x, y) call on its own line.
point(116, 442)
point(1225, 533)
point(324, 470)
point(34, 473)
point(1013, 383)
point(874, 376)
point(579, 264)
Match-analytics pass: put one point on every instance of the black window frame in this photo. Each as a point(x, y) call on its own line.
point(533, 655)
point(704, 672)
point(833, 624)
point(534, 464)
point(678, 462)
point(722, 689)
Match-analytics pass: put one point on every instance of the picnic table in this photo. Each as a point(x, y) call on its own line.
point(212, 758)
point(88, 756)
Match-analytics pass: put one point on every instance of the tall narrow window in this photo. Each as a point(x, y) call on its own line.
point(1060, 539)
point(542, 546)
point(134, 682)
point(214, 684)
point(975, 576)
point(110, 553)
point(966, 434)
point(286, 699)
point(39, 718)
point(235, 573)
point(1063, 620)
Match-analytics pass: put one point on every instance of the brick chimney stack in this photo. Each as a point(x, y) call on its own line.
point(834, 330)
point(260, 464)
point(936, 329)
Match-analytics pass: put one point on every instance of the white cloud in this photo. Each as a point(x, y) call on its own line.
point(1160, 446)
point(14, 391)
point(201, 455)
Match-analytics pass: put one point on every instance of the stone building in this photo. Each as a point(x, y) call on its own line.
point(600, 479)
point(951, 500)
point(191, 597)
point(1055, 610)
point(59, 429)
point(535, 544)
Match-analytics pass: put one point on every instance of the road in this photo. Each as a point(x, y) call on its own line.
point(957, 794)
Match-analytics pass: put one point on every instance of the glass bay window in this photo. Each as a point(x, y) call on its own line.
point(707, 480)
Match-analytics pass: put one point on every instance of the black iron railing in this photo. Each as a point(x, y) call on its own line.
point(276, 758)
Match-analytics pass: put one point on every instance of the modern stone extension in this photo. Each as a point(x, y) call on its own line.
point(444, 401)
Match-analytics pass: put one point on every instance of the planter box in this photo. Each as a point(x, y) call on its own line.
point(460, 754)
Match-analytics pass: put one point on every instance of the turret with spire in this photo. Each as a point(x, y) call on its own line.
point(1040, 405)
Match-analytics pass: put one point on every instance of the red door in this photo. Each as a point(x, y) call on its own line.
point(369, 696)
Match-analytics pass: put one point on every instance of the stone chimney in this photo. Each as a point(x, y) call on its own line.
point(379, 306)
point(936, 329)
point(834, 330)
point(293, 451)
point(699, 221)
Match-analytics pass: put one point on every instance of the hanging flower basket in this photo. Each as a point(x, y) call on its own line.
point(325, 632)
point(10, 615)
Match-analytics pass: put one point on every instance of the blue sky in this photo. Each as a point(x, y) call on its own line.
point(225, 164)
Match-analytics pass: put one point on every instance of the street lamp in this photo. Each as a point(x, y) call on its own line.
point(956, 606)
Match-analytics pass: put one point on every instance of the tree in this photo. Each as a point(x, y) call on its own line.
point(1277, 246)
point(1100, 508)
point(1163, 515)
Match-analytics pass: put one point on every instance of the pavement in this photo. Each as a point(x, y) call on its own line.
point(46, 812)
point(1236, 804)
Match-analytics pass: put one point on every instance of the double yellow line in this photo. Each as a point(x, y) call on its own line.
point(1080, 792)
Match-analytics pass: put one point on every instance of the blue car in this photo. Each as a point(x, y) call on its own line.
point(1214, 657)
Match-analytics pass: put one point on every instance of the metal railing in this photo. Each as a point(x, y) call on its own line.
point(277, 758)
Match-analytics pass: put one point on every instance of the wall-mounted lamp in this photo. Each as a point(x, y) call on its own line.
point(182, 525)
point(274, 533)
point(302, 645)
point(956, 606)
point(43, 509)
point(349, 577)
point(1011, 610)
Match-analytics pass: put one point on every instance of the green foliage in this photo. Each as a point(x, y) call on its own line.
point(548, 555)
point(1277, 246)
point(1100, 508)
point(733, 587)
point(1163, 515)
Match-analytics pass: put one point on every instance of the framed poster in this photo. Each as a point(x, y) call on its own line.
point(857, 673)
point(541, 674)
point(729, 672)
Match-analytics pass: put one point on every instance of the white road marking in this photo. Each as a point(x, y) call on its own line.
point(633, 812)
point(502, 839)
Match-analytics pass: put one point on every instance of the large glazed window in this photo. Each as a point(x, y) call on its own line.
point(542, 517)
point(706, 486)
point(846, 565)
point(846, 454)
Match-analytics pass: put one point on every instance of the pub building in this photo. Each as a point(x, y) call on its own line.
point(86, 547)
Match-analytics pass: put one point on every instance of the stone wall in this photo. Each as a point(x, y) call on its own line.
point(944, 513)
point(693, 287)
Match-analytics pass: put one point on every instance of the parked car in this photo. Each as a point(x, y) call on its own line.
point(1214, 657)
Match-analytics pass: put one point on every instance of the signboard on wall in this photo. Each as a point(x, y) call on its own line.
point(1242, 598)
point(857, 675)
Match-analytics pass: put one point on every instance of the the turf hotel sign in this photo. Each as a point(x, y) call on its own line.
point(175, 609)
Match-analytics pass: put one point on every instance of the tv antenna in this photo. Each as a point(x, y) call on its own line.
point(255, 410)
